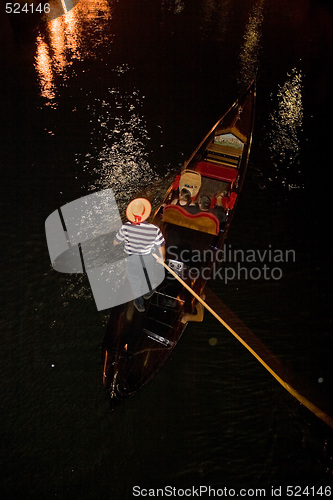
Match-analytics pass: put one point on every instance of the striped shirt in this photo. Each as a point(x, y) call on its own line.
point(141, 238)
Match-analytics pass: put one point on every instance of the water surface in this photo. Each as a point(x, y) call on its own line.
point(118, 94)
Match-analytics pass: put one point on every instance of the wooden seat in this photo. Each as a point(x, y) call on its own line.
point(223, 154)
point(202, 221)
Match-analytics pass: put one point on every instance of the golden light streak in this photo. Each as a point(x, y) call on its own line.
point(286, 126)
point(287, 119)
point(44, 70)
point(249, 56)
point(64, 40)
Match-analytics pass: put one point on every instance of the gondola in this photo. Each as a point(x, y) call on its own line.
point(136, 345)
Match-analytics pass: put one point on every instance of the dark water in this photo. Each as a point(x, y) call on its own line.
point(118, 93)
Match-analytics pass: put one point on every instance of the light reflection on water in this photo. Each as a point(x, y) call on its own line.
point(65, 40)
point(234, 424)
point(118, 156)
point(250, 51)
point(286, 123)
point(177, 6)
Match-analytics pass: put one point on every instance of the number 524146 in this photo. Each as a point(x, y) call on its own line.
point(17, 8)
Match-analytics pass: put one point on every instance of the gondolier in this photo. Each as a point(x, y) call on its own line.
point(140, 239)
point(219, 163)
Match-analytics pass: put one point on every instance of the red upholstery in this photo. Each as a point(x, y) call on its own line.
point(233, 197)
point(225, 202)
point(216, 171)
point(228, 202)
point(175, 184)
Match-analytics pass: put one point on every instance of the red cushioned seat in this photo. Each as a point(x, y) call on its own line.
point(216, 171)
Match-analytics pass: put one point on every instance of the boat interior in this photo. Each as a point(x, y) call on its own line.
point(198, 232)
point(205, 222)
point(216, 171)
point(226, 147)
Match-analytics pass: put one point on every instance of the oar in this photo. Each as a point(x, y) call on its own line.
point(302, 399)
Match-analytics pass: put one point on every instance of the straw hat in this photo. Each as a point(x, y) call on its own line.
point(138, 210)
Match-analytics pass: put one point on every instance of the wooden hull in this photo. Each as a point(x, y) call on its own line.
point(136, 345)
